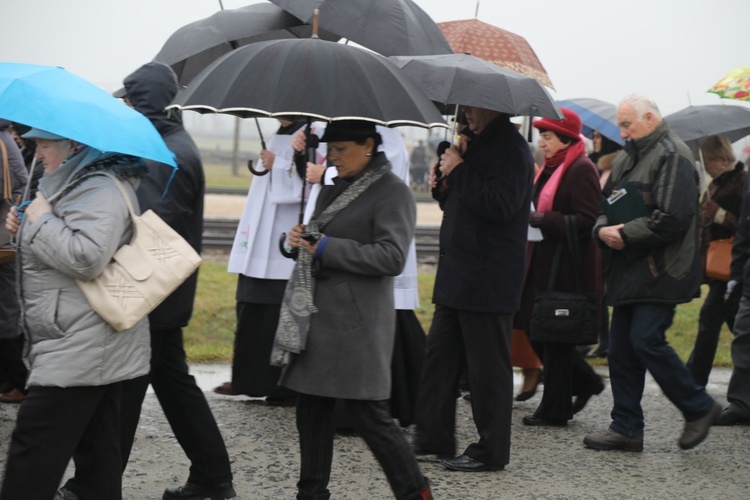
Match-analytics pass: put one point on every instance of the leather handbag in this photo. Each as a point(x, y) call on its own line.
point(142, 273)
point(565, 317)
point(7, 248)
point(719, 259)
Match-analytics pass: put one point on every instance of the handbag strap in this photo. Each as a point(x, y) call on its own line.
point(7, 187)
point(571, 239)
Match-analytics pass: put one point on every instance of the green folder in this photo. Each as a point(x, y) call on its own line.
point(625, 204)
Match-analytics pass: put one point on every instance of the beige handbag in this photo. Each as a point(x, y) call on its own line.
point(142, 273)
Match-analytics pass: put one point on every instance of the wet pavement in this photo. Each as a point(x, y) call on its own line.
point(546, 463)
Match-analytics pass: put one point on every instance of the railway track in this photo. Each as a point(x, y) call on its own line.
point(218, 234)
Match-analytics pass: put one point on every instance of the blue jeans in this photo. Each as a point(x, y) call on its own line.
point(637, 343)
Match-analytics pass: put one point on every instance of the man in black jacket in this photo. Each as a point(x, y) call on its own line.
point(738, 392)
point(652, 263)
point(485, 196)
point(177, 197)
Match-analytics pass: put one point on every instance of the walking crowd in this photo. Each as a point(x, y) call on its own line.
point(327, 287)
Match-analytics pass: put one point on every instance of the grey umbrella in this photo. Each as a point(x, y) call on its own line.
point(696, 122)
point(309, 78)
point(194, 46)
point(389, 27)
point(467, 80)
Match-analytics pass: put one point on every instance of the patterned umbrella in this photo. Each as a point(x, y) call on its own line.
point(496, 45)
point(736, 85)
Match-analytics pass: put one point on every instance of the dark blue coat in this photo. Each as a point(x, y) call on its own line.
point(485, 223)
point(150, 89)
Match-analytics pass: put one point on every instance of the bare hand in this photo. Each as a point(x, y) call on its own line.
point(12, 222)
point(298, 143)
point(535, 219)
point(267, 157)
point(314, 173)
point(38, 207)
point(295, 236)
point(611, 237)
point(449, 160)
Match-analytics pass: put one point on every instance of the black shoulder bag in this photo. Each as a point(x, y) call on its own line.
point(565, 317)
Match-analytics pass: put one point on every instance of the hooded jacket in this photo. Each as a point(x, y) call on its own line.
point(661, 261)
point(174, 195)
point(67, 343)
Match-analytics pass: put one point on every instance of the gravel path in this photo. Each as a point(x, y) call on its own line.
point(545, 463)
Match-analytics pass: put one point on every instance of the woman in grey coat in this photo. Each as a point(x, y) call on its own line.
point(336, 329)
point(70, 231)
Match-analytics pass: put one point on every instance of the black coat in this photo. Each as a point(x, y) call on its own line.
point(150, 89)
point(485, 223)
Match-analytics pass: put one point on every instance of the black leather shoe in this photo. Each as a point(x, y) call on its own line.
point(581, 400)
point(731, 417)
point(697, 430)
point(192, 491)
point(465, 463)
point(542, 422)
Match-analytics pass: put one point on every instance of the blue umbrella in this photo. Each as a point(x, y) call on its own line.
point(52, 99)
point(595, 115)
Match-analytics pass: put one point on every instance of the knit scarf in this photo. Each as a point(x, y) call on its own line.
point(297, 305)
point(547, 196)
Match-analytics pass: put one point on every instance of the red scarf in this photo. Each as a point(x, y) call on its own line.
point(567, 155)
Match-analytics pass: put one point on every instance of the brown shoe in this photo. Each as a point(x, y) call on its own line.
point(697, 430)
point(611, 440)
point(14, 396)
point(225, 389)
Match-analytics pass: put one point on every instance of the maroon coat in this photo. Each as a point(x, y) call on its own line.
point(578, 194)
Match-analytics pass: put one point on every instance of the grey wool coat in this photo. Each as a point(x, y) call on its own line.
point(351, 337)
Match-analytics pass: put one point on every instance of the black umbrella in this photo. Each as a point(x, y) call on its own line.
point(309, 78)
point(194, 46)
point(389, 27)
point(696, 122)
point(467, 80)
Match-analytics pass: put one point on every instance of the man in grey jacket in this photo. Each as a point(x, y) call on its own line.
point(652, 263)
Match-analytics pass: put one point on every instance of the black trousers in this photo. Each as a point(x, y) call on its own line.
point(185, 407)
point(566, 374)
point(479, 343)
point(52, 423)
point(252, 373)
point(12, 368)
point(373, 421)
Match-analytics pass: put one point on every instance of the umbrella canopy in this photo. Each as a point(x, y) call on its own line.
point(194, 46)
point(467, 80)
point(309, 78)
point(736, 85)
point(53, 99)
point(696, 122)
point(595, 115)
point(496, 45)
point(389, 27)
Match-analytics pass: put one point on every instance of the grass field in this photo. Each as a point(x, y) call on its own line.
point(210, 336)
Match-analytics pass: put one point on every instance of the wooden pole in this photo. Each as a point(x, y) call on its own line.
point(316, 14)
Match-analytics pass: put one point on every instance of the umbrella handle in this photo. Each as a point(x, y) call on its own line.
point(316, 14)
point(259, 173)
point(289, 254)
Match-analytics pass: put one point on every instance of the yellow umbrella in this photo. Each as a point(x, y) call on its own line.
point(736, 85)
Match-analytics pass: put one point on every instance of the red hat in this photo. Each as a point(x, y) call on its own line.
point(570, 126)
